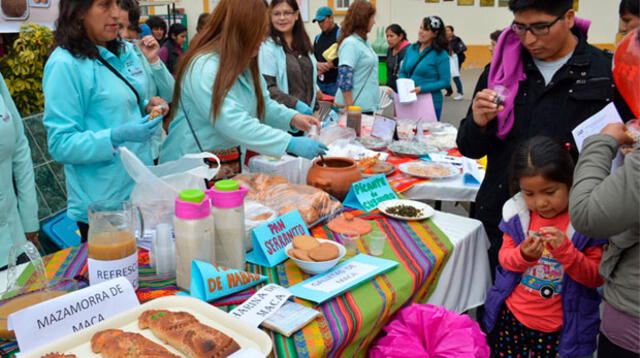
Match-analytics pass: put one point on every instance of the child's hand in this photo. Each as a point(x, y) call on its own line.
point(532, 248)
point(552, 237)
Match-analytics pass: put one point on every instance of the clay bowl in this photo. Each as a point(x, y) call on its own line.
point(335, 177)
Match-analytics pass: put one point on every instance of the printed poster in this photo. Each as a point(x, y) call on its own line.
point(466, 2)
point(490, 3)
point(503, 3)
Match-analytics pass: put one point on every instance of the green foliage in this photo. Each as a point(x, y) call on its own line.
point(23, 67)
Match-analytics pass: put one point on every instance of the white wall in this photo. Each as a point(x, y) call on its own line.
point(474, 23)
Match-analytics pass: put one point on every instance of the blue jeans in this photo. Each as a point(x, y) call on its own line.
point(328, 88)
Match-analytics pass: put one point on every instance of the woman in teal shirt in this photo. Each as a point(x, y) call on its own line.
point(427, 61)
point(95, 100)
point(358, 63)
point(18, 204)
point(221, 100)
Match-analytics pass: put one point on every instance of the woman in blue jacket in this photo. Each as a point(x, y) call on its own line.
point(427, 61)
point(221, 100)
point(286, 59)
point(95, 100)
point(18, 204)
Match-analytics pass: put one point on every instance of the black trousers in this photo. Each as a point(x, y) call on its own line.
point(606, 348)
point(84, 231)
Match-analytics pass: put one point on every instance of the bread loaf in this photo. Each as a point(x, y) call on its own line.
point(185, 333)
point(116, 343)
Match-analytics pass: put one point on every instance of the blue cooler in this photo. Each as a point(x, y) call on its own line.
point(62, 231)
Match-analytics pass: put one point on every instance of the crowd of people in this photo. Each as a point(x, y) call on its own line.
point(564, 228)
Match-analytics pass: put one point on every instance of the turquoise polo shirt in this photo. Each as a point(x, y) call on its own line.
point(356, 53)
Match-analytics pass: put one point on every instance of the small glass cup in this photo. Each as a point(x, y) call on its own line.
point(502, 94)
point(350, 242)
point(376, 243)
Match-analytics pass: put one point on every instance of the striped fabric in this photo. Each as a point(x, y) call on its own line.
point(350, 322)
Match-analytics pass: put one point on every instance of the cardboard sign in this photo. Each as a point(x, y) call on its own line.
point(48, 321)
point(210, 282)
point(270, 239)
point(367, 194)
point(342, 278)
point(262, 304)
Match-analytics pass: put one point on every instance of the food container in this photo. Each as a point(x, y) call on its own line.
point(17, 300)
point(335, 176)
point(411, 149)
point(80, 342)
point(315, 268)
point(14, 10)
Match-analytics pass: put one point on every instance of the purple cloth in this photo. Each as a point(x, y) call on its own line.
point(621, 329)
point(507, 70)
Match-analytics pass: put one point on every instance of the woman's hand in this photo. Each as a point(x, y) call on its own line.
point(552, 237)
point(157, 102)
point(150, 48)
point(532, 248)
point(33, 238)
point(304, 122)
point(416, 90)
point(484, 108)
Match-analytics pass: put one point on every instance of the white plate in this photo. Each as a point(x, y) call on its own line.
point(454, 171)
point(427, 211)
point(80, 343)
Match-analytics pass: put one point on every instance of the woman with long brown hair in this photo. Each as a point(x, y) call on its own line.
point(286, 58)
point(221, 101)
point(358, 62)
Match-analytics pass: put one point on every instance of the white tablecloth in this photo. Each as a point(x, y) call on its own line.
point(453, 189)
point(465, 278)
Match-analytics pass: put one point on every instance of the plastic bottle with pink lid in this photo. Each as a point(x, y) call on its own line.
point(195, 233)
point(227, 201)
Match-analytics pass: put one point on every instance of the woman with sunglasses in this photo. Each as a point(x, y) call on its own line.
point(286, 59)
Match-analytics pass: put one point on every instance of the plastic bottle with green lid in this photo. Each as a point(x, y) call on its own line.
point(194, 231)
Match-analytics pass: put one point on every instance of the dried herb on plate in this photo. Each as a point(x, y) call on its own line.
point(407, 211)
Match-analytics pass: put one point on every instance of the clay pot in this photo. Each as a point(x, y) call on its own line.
point(336, 177)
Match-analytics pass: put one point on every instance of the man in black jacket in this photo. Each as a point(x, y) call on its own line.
point(327, 70)
point(567, 81)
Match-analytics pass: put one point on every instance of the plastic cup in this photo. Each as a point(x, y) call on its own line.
point(350, 242)
point(376, 243)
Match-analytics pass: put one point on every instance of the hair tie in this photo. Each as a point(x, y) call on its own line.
point(567, 145)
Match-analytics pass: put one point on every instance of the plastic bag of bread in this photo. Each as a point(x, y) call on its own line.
point(276, 193)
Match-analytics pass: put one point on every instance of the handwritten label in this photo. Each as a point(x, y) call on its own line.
point(210, 282)
point(383, 128)
point(101, 271)
point(346, 275)
point(48, 321)
point(367, 194)
point(262, 304)
point(342, 278)
point(270, 239)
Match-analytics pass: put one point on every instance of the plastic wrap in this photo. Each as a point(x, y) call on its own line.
point(333, 132)
point(279, 195)
point(431, 331)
